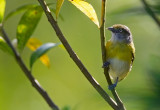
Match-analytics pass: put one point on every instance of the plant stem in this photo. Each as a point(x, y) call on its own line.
point(75, 57)
point(150, 12)
point(102, 35)
point(28, 74)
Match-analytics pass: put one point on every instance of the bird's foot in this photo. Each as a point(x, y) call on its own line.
point(111, 87)
point(106, 64)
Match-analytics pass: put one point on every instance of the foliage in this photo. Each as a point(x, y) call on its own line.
point(31, 16)
point(27, 25)
point(58, 7)
point(41, 51)
point(34, 44)
point(25, 29)
point(2, 5)
point(87, 9)
point(4, 46)
point(18, 10)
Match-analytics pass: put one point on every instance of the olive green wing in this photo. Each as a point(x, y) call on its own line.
point(132, 49)
point(108, 44)
point(133, 57)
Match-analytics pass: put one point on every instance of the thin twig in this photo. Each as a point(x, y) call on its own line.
point(75, 57)
point(150, 12)
point(28, 74)
point(102, 35)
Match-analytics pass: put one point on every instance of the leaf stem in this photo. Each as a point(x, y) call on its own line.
point(28, 74)
point(75, 58)
point(102, 36)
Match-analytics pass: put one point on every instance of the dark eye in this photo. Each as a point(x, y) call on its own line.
point(120, 30)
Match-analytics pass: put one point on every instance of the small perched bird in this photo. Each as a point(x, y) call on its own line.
point(120, 52)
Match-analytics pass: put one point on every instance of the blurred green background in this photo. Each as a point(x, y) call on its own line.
point(63, 80)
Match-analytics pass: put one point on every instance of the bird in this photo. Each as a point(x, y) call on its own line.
point(120, 53)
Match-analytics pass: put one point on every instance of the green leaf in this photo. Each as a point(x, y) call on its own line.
point(4, 46)
point(27, 25)
point(58, 7)
point(41, 51)
point(19, 10)
point(33, 44)
point(2, 9)
point(87, 9)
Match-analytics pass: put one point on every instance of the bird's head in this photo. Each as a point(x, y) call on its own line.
point(120, 33)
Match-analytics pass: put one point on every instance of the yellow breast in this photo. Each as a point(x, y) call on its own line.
point(120, 51)
point(120, 56)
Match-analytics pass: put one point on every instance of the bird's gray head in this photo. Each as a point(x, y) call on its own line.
point(120, 33)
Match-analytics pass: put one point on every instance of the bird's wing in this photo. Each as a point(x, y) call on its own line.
point(133, 57)
point(132, 48)
point(107, 48)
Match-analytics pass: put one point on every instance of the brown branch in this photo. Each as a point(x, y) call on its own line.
point(75, 57)
point(102, 35)
point(150, 12)
point(28, 74)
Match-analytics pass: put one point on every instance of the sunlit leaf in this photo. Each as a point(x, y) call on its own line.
point(45, 60)
point(18, 10)
point(41, 51)
point(27, 25)
point(2, 9)
point(58, 7)
point(61, 46)
point(34, 44)
point(87, 9)
point(21, 9)
point(4, 46)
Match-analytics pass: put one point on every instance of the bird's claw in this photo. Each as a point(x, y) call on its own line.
point(111, 87)
point(106, 64)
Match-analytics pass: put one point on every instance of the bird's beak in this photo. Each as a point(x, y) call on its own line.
point(111, 29)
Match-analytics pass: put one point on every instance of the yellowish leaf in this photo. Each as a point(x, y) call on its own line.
point(45, 60)
point(34, 44)
point(2, 9)
point(58, 7)
point(61, 46)
point(87, 9)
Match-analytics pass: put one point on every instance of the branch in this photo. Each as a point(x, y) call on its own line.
point(75, 58)
point(28, 74)
point(150, 12)
point(102, 35)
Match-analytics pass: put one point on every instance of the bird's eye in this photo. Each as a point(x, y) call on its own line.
point(120, 30)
